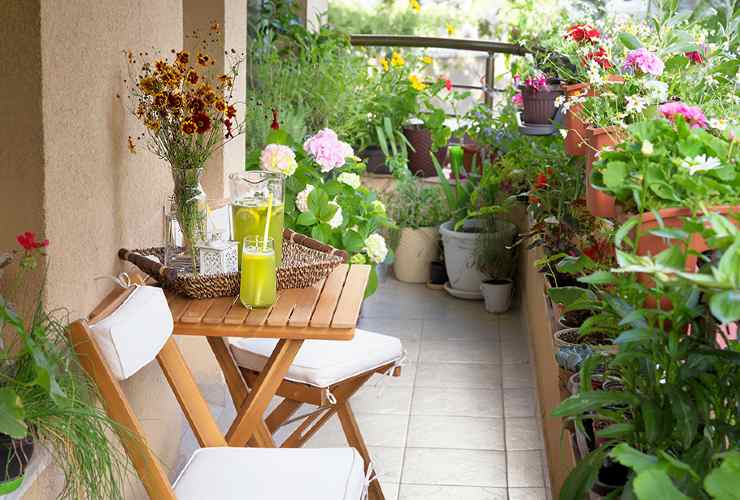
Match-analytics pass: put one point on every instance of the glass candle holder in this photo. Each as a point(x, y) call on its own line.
point(258, 272)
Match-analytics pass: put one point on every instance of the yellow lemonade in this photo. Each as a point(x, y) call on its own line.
point(248, 219)
point(259, 284)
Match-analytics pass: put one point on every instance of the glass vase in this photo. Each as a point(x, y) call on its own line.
point(191, 210)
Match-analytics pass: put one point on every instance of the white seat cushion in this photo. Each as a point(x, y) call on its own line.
point(322, 363)
point(272, 474)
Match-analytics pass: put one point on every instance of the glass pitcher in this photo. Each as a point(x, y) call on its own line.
point(250, 197)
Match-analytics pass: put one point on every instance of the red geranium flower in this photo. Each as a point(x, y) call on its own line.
point(28, 241)
point(600, 56)
point(540, 181)
point(583, 33)
point(448, 85)
point(695, 56)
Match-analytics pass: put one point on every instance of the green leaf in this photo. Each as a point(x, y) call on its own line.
point(621, 233)
point(635, 335)
point(317, 199)
point(582, 477)
point(726, 306)
point(327, 212)
point(599, 278)
point(11, 414)
point(632, 458)
point(567, 295)
point(592, 400)
point(321, 232)
point(372, 282)
point(616, 431)
point(686, 420)
point(352, 241)
point(615, 174)
point(723, 482)
point(629, 40)
point(656, 484)
point(306, 219)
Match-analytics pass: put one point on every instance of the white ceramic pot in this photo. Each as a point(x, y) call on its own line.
point(417, 248)
point(497, 295)
point(459, 248)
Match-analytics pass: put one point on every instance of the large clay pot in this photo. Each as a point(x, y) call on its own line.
point(459, 249)
point(599, 203)
point(417, 249)
point(420, 152)
point(539, 105)
point(575, 140)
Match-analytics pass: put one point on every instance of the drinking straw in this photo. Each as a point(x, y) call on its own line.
point(267, 221)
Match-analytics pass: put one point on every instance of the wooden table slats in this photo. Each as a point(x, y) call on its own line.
point(348, 308)
point(198, 308)
point(305, 305)
point(327, 303)
point(217, 313)
point(328, 309)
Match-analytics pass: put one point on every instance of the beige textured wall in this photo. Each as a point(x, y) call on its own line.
point(231, 16)
point(65, 170)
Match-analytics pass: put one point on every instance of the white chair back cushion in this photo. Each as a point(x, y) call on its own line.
point(132, 335)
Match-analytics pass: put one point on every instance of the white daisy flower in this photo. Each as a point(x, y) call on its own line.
point(700, 163)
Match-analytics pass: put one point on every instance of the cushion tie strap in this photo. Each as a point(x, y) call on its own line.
point(330, 397)
point(123, 280)
point(399, 363)
point(370, 476)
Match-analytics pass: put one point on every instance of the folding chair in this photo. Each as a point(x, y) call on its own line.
point(325, 374)
point(214, 471)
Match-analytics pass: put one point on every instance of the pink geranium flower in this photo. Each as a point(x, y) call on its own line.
point(518, 99)
point(693, 115)
point(328, 150)
point(695, 57)
point(645, 61)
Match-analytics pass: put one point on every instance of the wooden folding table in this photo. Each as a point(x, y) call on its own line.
point(328, 310)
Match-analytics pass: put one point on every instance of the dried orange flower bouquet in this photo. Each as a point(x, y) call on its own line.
point(188, 109)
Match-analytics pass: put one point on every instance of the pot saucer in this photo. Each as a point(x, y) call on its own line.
point(462, 294)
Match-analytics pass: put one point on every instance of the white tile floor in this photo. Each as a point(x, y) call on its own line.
point(459, 424)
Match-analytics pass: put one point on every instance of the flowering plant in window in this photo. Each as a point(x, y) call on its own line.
point(188, 111)
point(670, 164)
point(325, 198)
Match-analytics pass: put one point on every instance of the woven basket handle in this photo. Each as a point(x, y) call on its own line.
point(163, 274)
point(304, 240)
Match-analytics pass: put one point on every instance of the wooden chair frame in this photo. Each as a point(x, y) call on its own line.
point(246, 427)
point(241, 381)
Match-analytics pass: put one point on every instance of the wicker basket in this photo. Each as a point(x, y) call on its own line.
point(305, 262)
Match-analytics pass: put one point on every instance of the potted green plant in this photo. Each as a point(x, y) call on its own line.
point(46, 400)
point(667, 171)
point(673, 417)
point(417, 209)
point(495, 255)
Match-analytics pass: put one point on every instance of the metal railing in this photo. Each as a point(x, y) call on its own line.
point(488, 47)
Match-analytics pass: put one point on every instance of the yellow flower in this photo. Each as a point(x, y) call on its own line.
point(397, 60)
point(188, 127)
point(416, 83)
point(415, 5)
point(426, 60)
point(450, 29)
point(384, 63)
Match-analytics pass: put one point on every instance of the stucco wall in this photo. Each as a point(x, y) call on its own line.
point(65, 169)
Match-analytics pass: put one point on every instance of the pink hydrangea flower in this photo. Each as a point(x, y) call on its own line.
point(328, 150)
point(692, 114)
point(279, 159)
point(644, 60)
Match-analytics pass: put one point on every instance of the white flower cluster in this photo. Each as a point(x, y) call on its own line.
point(376, 248)
point(301, 199)
point(338, 218)
point(657, 91)
point(635, 104)
point(350, 179)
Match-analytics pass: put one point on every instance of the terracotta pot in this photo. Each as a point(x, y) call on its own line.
point(472, 154)
point(576, 138)
point(599, 203)
point(417, 249)
point(652, 245)
point(539, 105)
point(375, 160)
point(420, 157)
